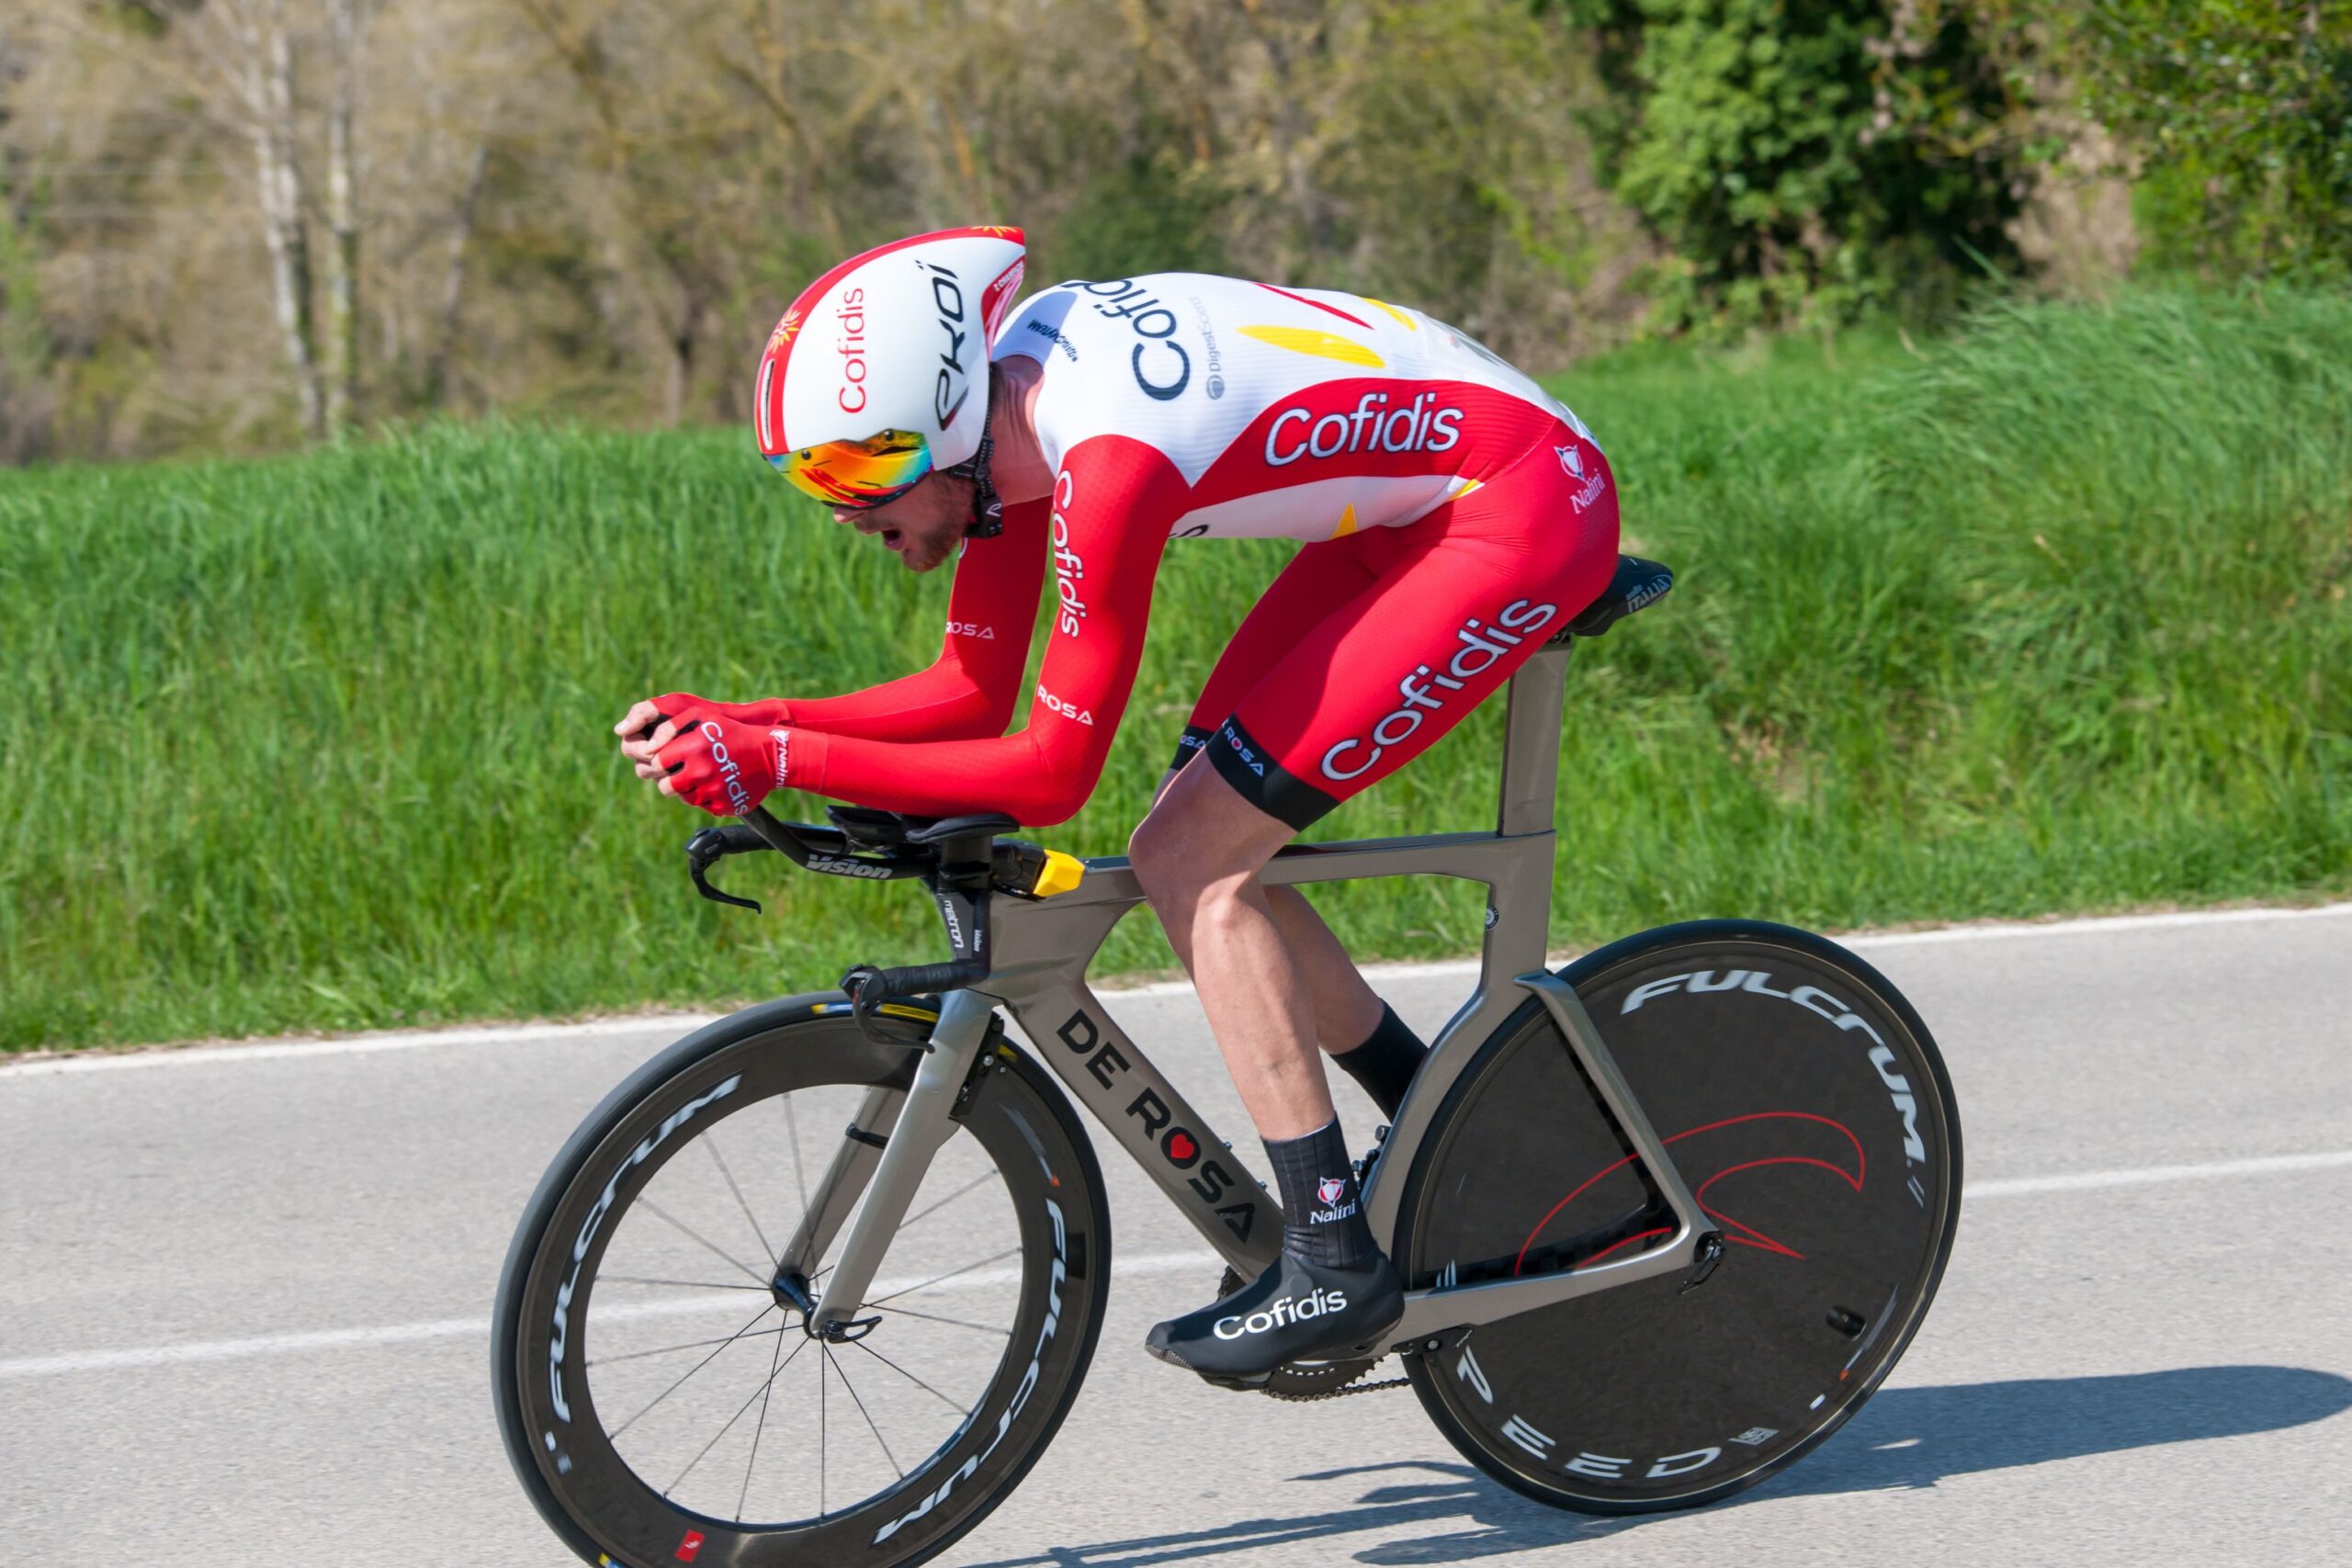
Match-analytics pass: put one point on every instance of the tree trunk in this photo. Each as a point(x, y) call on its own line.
point(269, 95)
point(682, 359)
point(343, 258)
point(453, 281)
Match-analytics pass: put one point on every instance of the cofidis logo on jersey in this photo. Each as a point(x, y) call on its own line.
point(1162, 369)
point(1372, 427)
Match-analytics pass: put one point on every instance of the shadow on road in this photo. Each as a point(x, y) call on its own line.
point(1905, 1438)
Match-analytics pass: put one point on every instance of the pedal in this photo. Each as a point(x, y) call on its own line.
point(1239, 1385)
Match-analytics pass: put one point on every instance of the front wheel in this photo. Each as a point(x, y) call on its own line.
point(662, 1398)
point(1809, 1113)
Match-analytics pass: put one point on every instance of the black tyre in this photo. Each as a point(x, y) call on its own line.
point(660, 1401)
point(1807, 1107)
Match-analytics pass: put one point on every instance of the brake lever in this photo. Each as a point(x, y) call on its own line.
point(709, 845)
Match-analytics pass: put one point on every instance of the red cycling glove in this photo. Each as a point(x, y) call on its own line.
point(724, 766)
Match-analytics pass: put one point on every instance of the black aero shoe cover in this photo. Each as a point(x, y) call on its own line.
point(1295, 1311)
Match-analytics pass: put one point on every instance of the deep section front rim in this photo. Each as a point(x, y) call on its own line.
point(597, 1310)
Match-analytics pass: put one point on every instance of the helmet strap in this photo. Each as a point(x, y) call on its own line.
point(988, 511)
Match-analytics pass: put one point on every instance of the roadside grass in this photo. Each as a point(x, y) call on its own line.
point(2049, 615)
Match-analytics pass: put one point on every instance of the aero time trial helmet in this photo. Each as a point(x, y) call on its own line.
point(879, 373)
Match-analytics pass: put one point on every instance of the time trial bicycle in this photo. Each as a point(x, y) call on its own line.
point(817, 1284)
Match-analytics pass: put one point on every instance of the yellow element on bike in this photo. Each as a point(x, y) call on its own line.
point(1062, 873)
point(889, 1009)
point(1322, 345)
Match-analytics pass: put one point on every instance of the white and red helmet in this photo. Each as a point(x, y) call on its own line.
point(879, 373)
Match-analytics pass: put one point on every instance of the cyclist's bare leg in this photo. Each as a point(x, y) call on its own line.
point(1346, 1009)
point(1198, 855)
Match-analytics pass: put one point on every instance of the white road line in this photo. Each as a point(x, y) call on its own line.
point(678, 1023)
point(1152, 1263)
point(474, 1327)
point(2095, 1180)
point(357, 1045)
point(2093, 925)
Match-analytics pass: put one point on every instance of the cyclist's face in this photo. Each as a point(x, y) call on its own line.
point(924, 525)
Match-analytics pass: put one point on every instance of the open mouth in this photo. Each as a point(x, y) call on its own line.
point(891, 537)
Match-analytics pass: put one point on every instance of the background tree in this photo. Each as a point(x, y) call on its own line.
point(232, 225)
point(2242, 112)
point(1800, 159)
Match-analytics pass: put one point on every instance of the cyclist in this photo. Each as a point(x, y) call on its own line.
point(1457, 515)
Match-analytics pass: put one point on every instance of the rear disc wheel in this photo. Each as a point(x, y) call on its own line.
point(1807, 1110)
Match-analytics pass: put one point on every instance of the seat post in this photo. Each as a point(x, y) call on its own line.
point(1532, 742)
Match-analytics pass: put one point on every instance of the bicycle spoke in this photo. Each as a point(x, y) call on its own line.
point(910, 1376)
point(686, 1284)
point(960, 1323)
point(831, 1362)
point(690, 1345)
point(613, 1434)
point(660, 1213)
point(992, 1172)
point(743, 1498)
point(822, 1509)
point(730, 1422)
point(710, 1142)
point(938, 1278)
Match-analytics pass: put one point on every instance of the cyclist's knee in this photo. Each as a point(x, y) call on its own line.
point(1156, 850)
point(1177, 863)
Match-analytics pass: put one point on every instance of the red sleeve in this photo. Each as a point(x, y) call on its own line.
point(971, 690)
point(1113, 504)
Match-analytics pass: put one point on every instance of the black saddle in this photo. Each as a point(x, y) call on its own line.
point(1638, 584)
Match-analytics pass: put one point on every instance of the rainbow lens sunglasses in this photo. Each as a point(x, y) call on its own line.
point(858, 474)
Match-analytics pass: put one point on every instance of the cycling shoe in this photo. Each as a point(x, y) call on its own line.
point(1295, 1311)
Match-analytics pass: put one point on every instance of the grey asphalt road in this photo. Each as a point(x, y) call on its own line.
point(244, 1298)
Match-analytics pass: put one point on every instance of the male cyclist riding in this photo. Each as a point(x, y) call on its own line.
point(1458, 517)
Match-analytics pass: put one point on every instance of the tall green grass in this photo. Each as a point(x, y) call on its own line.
point(2051, 616)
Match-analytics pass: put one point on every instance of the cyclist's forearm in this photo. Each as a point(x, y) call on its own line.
point(945, 702)
point(1039, 778)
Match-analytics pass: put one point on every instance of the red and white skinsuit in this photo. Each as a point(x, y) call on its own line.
point(1459, 515)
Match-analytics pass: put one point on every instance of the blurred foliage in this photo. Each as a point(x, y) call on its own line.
point(1807, 160)
point(2241, 110)
point(595, 208)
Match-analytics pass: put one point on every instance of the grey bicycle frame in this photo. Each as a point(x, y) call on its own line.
point(1038, 974)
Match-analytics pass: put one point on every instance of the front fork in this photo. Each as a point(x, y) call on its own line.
point(884, 1155)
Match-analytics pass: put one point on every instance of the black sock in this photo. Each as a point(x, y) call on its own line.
point(1322, 1217)
point(1385, 1064)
